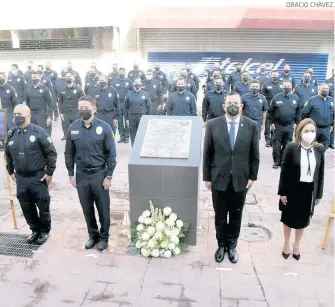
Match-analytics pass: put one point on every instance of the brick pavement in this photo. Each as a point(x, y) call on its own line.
point(64, 274)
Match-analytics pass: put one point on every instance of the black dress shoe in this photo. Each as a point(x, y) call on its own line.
point(275, 165)
point(42, 238)
point(102, 245)
point(285, 256)
point(90, 243)
point(232, 255)
point(126, 141)
point(32, 238)
point(268, 143)
point(331, 146)
point(63, 138)
point(219, 254)
point(121, 141)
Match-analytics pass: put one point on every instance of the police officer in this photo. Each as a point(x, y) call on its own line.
point(52, 75)
point(28, 74)
point(77, 79)
point(181, 102)
point(18, 82)
point(210, 85)
point(212, 104)
point(217, 67)
point(91, 84)
point(320, 108)
point(31, 161)
point(190, 85)
point(123, 86)
point(242, 87)
point(136, 104)
point(262, 76)
point(305, 90)
point(285, 75)
point(68, 102)
point(88, 74)
point(90, 145)
point(234, 77)
point(8, 98)
point(330, 82)
point(15, 67)
point(60, 82)
point(161, 77)
point(173, 76)
point(38, 98)
point(191, 75)
point(113, 75)
point(314, 81)
point(284, 113)
point(255, 105)
point(269, 90)
point(153, 88)
point(107, 102)
point(136, 73)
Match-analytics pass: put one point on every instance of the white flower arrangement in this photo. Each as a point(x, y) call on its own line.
point(159, 232)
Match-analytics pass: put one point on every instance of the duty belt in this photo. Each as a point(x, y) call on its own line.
point(104, 111)
point(28, 174)
point(92, 170)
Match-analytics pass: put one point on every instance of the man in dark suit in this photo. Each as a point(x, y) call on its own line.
point(230, 166)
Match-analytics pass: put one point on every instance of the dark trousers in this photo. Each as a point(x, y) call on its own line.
point(331, 141)
point(267, 130)
point(91, 191)
point(122, 126)
point(108, 117)
point(9, 120)
point(154, 106)
point(40, 119)
point(281, 136)
point(55, 108)
point(224, 203)
point(323, 136)
point(69, 117)
point(134, 122)
point(33, 194)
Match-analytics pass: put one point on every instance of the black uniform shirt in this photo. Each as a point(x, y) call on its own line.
point(112, 78)
point(29, 150)
point(19, 84)
point(39, 99)
point(90, 147)
point(8, 97)
point(107, 99)
point(270, 89)
point(137, 103)
point(136, 74)
point(69, 97)
point(212, 104)
point(254, 106)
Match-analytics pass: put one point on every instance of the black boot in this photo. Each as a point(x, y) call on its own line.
point(275, 165)
point(102, 245)
point(268, 143)
point(126, 140)
point(91, 243)
point(232, 255)
point(33, 237)
point(42, 238)
point(121, 140)
point(219, 254)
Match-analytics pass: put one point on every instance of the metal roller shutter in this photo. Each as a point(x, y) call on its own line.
point(238, 40)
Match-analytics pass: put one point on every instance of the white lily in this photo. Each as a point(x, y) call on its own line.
point(164, 244)
point(167, 211)
point(179, 223)
point(169, 222)
point(146, 213)
point(174, 239)
point(148, 221)
point(138, 244)
point(151, 244)
point(158, 235)
point(141, 219)
point(168, 232)
point(175, 232)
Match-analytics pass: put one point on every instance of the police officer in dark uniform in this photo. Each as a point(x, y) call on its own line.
point(181, 102)
point(60, 83)
point(91, 84)
point(107, 102)
point(162, 78)
point(330, 82)
point(31, 161)
point(38, 98)
point(153, 88)
point(269, 90)
point(90, 145)
point(262, 76)
point(285, 75)
point(52, 75)
point(255, 105)
point(284, 114)
point(77, 79)
point(136, 73)
point(313, 81)
point(136, 104)
point(234, 77)
point(212, 104)
point(217, 67)
point(113, 75)
point(16, 69)
point(190, 85)
point(210, 85)
point(88, 74)
point(123, 86)
point(18, 82)
point(242, 87)
point(320, 108)
point(28, 74)
point(191, 75)
point(8, 99)
point(305, 90)
point(68, 102)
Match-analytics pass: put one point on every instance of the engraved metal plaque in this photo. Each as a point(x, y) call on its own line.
point(167, 138)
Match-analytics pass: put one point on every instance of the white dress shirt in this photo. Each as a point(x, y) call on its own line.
point(304, 177)
point(237, 121)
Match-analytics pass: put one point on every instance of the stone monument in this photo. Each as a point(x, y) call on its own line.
point(165, 167)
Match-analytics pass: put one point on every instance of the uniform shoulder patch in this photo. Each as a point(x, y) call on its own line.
point(32, 138)
point(110, 95)
point(49, 140)
point(99, 130)
point(187, 98)
point(306, 103)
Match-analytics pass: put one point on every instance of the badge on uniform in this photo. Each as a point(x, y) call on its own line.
point(18, 80)
point(126, 83)
point(154, 85)
point(10, 143)
point(260, 100)
point(75, 91)
point(110, 95)
point(88, 84)
point(45, 81)
point(49, 140)
point(143, 97)
point(188, 84)
point(15, 94)
point(8, 91)
point(306, 103)
point(332, 104)
point(130, 75)
point(32, 138)
point(63, 93)
point(117, 84)
point(96, 96)
point(161, 77)
point(41, 91)
point(187, 98)
point(313, 90)
point(51, 75)
point(75, 132)
point(294, 102)
point(98, 130)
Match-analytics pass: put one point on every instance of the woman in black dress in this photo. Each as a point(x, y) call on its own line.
point(301, 183)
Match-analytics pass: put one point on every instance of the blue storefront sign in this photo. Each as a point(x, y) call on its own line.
point(201, 61)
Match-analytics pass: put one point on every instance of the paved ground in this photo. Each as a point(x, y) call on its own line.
point(64, 274)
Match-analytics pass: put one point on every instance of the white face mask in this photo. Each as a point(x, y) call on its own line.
point(308, 137)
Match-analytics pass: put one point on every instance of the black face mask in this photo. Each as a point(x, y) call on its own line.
point(238, 69)
point(63, 74)
point(274, 79)
point(245, 79)
point(287, 90)
point(181, 88)
point(35, 81)
point(135, 67)
point(19, 120)
point(121, 75)
point(29, 67)
point(254, 91)
point(2, 81)
point(233, 110)
point(218, 86)
point(262, 69)
point(70, 69)
point(85, 114)
point(137, 87)
point(68, 80)
point(102, 83)
point(114, 69)
point(93, 74)
point(188, 69)
point(157, 68)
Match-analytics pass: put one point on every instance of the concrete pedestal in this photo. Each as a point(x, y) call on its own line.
point(167, 182)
